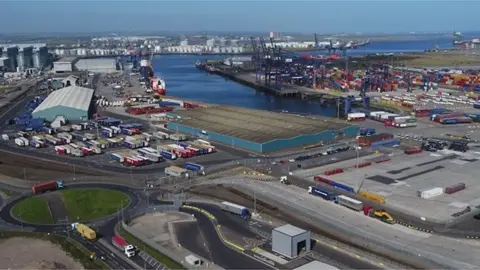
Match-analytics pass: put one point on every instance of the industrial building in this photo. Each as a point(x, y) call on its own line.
point(103, 65)
point(65, 64)
point(316, 265)
point(73, 102)
point(24, 56)
point(257, 130)
point(289, 240)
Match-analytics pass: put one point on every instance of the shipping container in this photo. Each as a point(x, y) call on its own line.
point(19, 142)
point(178, 137)
point(324, 180)
point(430, 193)
point(349, 202)
point(343, 187)
point(367, 131)
point(161, 135)
point(235, 209)
point(454, 188)
point(193, 167)
point(49, 186)
point(176, 171)
point(372, 196)
point(356, 116)
point(368, 140)
point(85, 231)
point(168, 155)
point(386, 143)
point(327, 195)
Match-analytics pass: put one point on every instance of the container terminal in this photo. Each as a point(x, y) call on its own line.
point(256, 130)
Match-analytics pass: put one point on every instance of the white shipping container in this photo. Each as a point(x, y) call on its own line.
point(5, 137)
point(356, 115)
point(76, 127)
point(430, 193)
point(376, 114)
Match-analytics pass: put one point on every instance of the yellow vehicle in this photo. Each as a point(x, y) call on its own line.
point(380, 214)
point(372, 196)
point(84, 231)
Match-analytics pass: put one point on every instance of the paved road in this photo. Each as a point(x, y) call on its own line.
point(247, 229)
point(220, 254)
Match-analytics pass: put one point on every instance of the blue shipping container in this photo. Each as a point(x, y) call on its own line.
point(193, 167)
point(343, 187)
point(321, 193)
point(449, 121)
point(391, 142)
point(167, 155)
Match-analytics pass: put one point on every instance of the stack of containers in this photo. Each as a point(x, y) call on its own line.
point(134, 142)
point(452, 118)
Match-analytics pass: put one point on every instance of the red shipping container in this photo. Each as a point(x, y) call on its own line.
point(323, 180)
point(455, 188)
point(44, 187)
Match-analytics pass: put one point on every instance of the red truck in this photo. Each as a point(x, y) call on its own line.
point(49, 186)
point(120, 243)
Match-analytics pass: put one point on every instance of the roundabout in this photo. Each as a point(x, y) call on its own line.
point(76, 203)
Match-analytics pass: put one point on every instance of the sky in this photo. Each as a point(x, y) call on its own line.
point(384, 16)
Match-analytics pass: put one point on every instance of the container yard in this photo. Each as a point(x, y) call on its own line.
point(255, 130)
point(422, 183)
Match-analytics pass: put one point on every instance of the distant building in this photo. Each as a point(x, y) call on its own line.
point(210, 42)
point(184, 42)
point(65, 64)
point(12, 62)
point(27, 53)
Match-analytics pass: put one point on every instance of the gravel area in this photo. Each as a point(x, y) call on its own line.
point(26, 253)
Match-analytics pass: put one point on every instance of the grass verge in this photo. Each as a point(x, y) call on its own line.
point(9, 193)
point(90, 203)
point(71, 247)
point(33, 210)
point(162, 258)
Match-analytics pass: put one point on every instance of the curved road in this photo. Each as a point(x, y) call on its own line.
point(240, 226)
point(106, 231)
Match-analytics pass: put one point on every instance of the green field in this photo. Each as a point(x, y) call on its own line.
point(88, 204)
point(9, 193)
point(33, 210)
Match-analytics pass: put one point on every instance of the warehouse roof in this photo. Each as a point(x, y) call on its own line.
point(67, 59)
point(290, 230)
point(254, 125)
point(72, 97)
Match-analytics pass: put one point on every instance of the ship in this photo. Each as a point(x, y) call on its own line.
point(154, 83)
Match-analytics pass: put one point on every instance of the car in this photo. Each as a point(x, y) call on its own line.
point(291, 160)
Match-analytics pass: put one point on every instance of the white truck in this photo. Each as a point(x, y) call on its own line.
point(120, 243)
point(284, 180)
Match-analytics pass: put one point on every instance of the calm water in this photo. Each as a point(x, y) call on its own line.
point(185, 81)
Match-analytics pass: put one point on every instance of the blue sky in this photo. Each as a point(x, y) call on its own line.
point(228, 15)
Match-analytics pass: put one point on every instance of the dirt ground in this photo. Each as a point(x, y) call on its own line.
point(22, 167)
point(26, 253)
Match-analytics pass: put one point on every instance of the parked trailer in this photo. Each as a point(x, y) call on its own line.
point(161, 135)
point(49, 186)
point(126, 248)
point(321, 193)
point(90, 136)
point(68, 149)
point(178, 137)
point(117, 157)
point(372, 196)
point(95, 149)
point(235, 209)
point(176, 171)
point(343, 187)
point(430, 193)
point(168, 155)
point(60, 150)
point(19, 142)
point(150, 156)
point(349, 202)
point(84, 231)
point(193, 167)
point(454, 188)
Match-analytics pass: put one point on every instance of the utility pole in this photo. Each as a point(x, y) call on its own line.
point(25, 174)
point(74, 172)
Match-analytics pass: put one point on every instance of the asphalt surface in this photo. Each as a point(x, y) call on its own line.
point(244, 228)
point(220, 254)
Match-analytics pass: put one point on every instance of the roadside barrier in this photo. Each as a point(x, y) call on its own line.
point(364, 164)
point(224, 239)
point(413, 227)
point(334, 171)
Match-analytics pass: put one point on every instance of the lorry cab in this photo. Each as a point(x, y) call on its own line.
point(130, 251)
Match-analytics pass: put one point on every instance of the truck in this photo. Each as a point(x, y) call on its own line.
point(193, 167)
point(284, 180)
point(327, 195)
point(349, 202)
point(236, 209)
point(120, 243)
point(84, 231)
point(48, 186)
point(378, 214)
point(168, 155)
point(19, 142)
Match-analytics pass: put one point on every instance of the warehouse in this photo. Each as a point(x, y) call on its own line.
point(65, 64)
point(102, 65)
point(257, 130)
point(289, 240)
point(73, 102)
